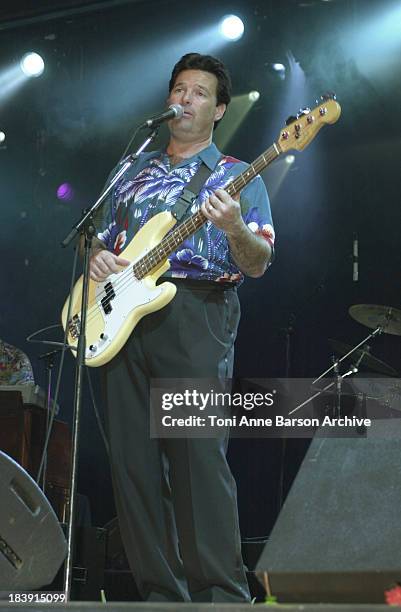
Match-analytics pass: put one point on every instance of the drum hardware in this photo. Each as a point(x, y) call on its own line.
point(365, 357)
point(375, 333)
point(337, 382)
point(374, 316)
point(382, 319)
point(388, 319)
point(385, 391)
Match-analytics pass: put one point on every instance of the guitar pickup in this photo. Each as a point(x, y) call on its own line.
point(106, 301)
point(74, 326)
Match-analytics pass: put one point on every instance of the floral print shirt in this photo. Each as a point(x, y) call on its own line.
point(15, 367)
point(151, 186)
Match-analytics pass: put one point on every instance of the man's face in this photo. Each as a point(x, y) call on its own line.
point(196, 91)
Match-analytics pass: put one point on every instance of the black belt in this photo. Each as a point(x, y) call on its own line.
point(199, 285)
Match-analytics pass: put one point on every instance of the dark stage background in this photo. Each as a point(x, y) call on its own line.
point(107, 67)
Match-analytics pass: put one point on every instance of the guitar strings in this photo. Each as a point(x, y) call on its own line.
point(171, 243)
point(127, 276)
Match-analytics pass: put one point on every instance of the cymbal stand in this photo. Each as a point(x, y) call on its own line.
point(339, 377)
point(374, 333)
point(352, 370)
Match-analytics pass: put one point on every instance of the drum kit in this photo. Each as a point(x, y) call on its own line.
point(382, 383)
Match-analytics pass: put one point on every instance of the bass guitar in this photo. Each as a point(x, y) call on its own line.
point(116, 305)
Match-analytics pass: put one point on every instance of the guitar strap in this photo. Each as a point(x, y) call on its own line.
point(192, 190)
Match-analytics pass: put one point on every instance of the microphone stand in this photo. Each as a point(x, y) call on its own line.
point(49, 365)
point(85, 226)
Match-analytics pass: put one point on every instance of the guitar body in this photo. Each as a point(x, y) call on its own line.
point(116, 305)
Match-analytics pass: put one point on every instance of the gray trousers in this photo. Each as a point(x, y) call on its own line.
point(176, 498)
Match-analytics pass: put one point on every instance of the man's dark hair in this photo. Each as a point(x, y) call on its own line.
point(208, 63)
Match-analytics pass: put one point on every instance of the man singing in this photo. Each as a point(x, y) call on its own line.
point(176, 498)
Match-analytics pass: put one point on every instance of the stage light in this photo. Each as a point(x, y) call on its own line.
point(254, 96)
point(65, 192)
point(2, 137)
point(32, 64)
point(289, 159)
point(278, 69)
point(232, 27)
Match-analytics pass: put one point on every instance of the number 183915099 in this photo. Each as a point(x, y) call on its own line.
point(33, 597)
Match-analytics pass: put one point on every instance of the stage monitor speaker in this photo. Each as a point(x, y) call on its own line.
point(338, 536)
point(32, 544)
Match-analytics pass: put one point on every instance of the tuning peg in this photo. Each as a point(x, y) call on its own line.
point(329, 95)
point(303, 111)
point(290, 119)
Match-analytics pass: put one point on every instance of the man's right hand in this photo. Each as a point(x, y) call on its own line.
point(103, 263)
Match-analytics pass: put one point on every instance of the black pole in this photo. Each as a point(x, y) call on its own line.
point(89, 232)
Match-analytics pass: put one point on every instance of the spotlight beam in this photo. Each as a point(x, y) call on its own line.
point(236, 113)
point(11, 80)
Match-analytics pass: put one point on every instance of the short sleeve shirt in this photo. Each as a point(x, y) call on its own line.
point(152, 185)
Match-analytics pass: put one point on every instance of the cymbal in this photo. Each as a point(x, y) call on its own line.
point(369, 361)
point(374, 316)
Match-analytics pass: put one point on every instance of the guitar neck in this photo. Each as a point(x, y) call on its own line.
point(186, 229)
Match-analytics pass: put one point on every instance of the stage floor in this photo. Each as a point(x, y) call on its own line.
point(170, 607)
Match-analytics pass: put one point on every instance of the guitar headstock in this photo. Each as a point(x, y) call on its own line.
point(301, 130)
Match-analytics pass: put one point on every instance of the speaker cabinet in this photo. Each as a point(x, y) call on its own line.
point(32, 544)
point(338, 536)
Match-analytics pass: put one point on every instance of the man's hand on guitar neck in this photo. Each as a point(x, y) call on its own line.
point(103, 263)
point(250, 252)
point(223, 211)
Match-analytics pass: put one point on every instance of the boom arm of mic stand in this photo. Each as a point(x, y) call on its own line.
point(89, 213)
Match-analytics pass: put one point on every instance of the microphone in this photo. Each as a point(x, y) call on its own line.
point(174, 111)
point(355, 259)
